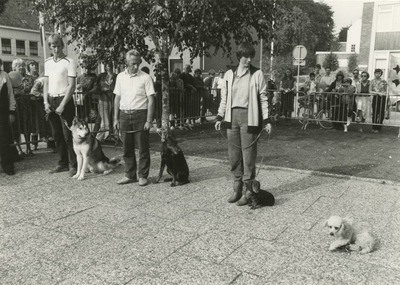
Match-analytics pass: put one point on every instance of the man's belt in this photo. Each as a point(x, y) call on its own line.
point(57, 95)
point(133, 111)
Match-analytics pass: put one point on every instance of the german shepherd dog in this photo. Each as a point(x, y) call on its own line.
point(259, 198)
point(89, 153)
point(172, 157)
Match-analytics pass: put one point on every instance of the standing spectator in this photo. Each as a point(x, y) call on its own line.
point(25, 116)
point(274, 101)
point(317, 71)
point(378, 87)
point(105, 87)
point(60, 73)
point(32, 69)
point(86, 84)
point(324, 83)
point(356, 78)
point(208, 83)
point(287, 95)
point(7, 116)
point(201, 94)
point(218, 84)
point(326, 80)
point(189, 95)
point(43, 125)
point(244, 106)
point(348, 101)
point(363, 102)
point(134, 99)
point(339, 114)
point(175, 95)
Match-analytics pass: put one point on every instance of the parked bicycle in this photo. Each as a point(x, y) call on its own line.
point(314, 110)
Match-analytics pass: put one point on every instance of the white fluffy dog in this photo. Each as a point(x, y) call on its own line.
point(347, 236)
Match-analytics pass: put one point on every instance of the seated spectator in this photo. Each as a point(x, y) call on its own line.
point(310, 89)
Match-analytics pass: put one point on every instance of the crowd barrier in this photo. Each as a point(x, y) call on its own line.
point(323, 108)
point(31, 125)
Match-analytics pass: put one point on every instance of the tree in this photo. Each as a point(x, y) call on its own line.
point(302, 22)
point(343, 34)
point(113, 27)
point(352, 62)
point(3, 4)
point(331, 60)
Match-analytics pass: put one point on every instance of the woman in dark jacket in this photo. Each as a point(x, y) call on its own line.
point(287, 95)
point(337, 101)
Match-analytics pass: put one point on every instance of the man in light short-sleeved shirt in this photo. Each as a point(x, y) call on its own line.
point(59, 85)
point(133, 111)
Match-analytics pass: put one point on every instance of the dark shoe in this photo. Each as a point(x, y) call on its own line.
point(247, 187)
point(59, 169)
point(126, 180)
point(9, 171)
point(71, 172)
point(237, 192)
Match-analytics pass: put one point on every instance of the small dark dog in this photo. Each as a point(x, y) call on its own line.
point(259, 198)
point(172, 157)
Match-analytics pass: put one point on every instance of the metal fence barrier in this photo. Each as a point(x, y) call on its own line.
point(31, 126)
point(328, 109)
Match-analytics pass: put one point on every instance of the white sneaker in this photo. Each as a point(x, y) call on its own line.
point(142, 181)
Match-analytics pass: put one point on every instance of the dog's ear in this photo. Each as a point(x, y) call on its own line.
point(256, 186)
point(345, 230)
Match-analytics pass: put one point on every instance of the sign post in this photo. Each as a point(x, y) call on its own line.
point(299, 54)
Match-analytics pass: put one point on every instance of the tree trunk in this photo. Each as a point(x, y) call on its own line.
point(165, 89)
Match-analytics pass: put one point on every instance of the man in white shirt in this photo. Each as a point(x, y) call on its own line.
point(133, 113)
point(59, 85)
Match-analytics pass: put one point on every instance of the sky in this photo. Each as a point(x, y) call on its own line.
point(346, 12)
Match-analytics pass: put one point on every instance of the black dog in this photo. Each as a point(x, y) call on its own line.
point(258, 198)
point(172, 157)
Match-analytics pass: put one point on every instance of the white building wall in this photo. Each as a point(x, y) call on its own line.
point(354, 37)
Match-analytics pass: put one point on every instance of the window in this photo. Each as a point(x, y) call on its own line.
point(7, 66)
point(33, 48)
point(20, 47)
point(6, 46)
point(353, 48)
point(388, 18)
point(175, 63)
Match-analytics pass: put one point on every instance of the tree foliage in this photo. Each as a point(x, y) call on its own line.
point(302, 23)
point(352, 62)
point(111, 28)
point(3, 4)
point(331, 60)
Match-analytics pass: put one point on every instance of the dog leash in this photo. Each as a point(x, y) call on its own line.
point(253, 142)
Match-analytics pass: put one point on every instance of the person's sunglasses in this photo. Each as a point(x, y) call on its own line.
point(363, 76)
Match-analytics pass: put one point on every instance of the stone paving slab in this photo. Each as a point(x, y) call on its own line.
point(57, 230)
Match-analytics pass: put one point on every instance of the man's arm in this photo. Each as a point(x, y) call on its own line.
point(117, 101)
point(46, 95)
point(150, 112)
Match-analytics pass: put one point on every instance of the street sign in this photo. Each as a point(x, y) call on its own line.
point(299, 52)
point(301, 62)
